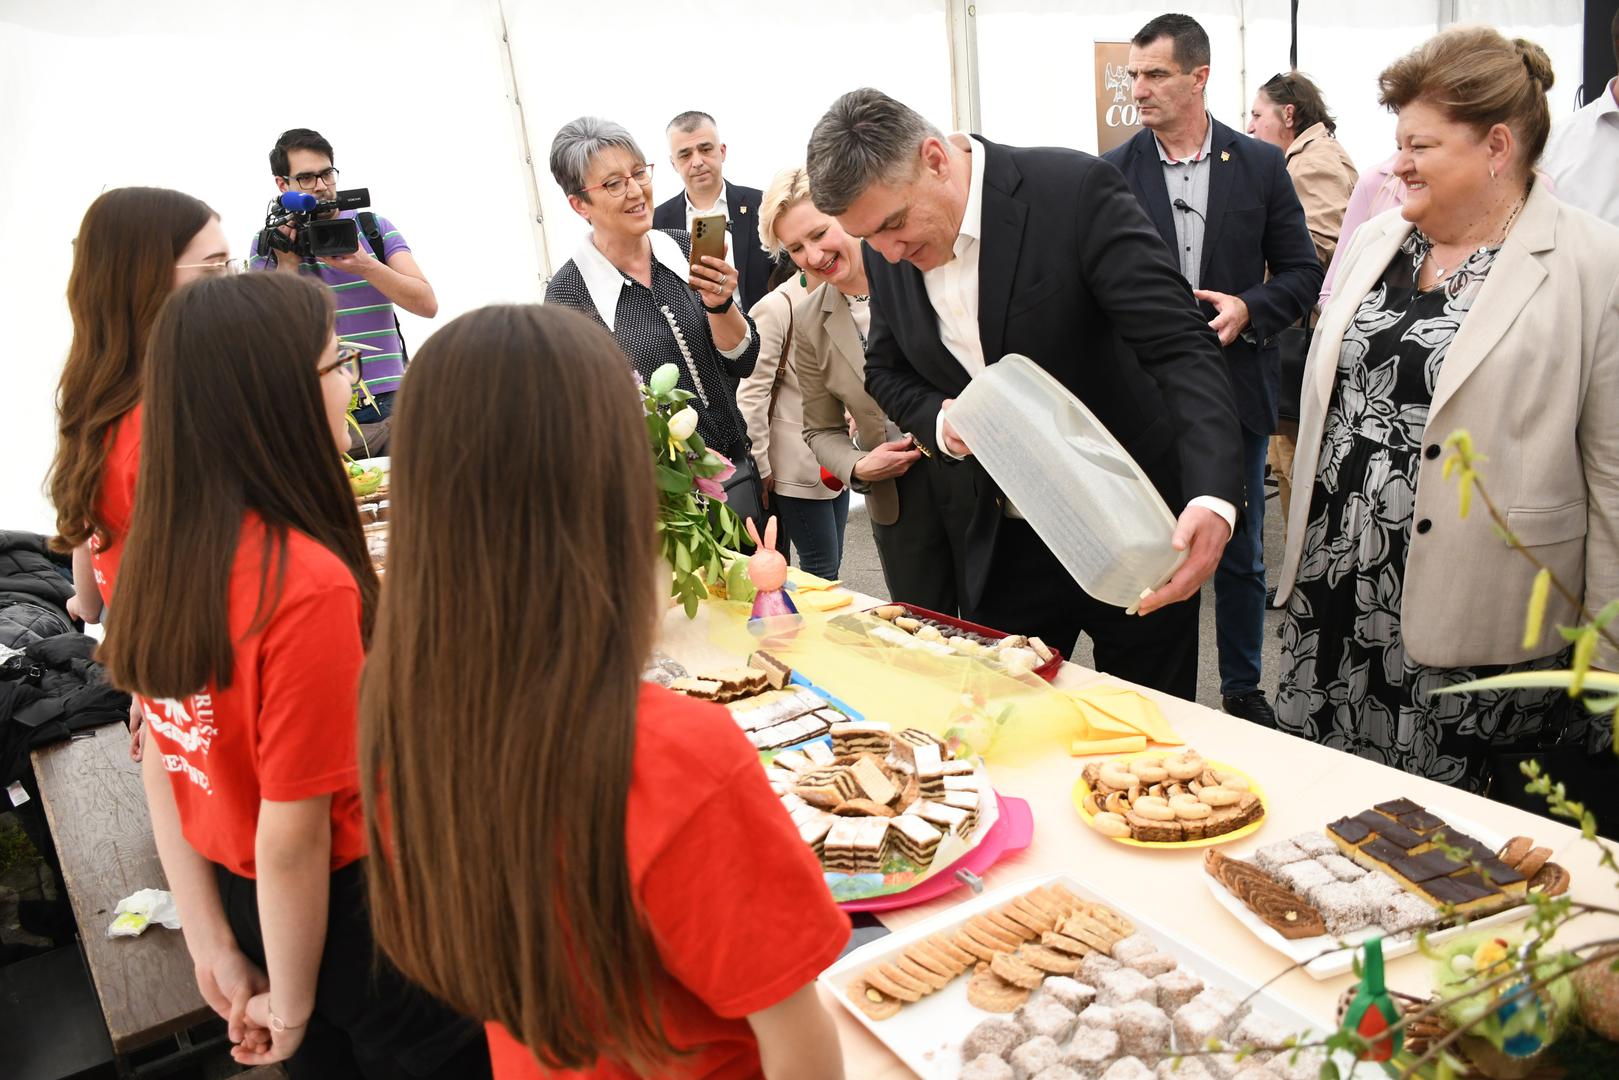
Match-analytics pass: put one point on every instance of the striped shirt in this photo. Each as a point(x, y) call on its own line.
point(1188, 182)
point(364, 314)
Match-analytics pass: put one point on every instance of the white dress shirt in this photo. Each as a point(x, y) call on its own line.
point(1582, 156)
point(953, 292)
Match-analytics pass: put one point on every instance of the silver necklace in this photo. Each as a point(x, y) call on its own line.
point(1442, 272)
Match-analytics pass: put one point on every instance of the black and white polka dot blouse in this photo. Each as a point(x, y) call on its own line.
point(651, 325)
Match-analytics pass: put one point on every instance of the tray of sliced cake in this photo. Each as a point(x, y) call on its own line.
point(1049, 979)
point(1392, 870)
point(885, 811)
point(910, 627)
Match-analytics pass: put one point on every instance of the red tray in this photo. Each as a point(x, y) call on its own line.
point(1047, 671)
point(1011, 833)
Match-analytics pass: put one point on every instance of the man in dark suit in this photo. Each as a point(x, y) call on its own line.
point(698, 155)
point(1225, 207)
point(989, 250)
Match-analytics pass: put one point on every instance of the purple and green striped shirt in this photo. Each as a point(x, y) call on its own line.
point(364, 314)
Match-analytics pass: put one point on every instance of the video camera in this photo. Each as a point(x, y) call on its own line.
point(312, 235)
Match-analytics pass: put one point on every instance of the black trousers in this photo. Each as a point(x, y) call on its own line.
point(1030, 592)
point(924, 552)
point(368, 1021)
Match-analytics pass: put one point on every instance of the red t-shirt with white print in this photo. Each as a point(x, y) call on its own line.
point(284, 729)
point(736, 902)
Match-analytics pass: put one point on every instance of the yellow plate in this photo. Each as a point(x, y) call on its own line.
point(1082, 789)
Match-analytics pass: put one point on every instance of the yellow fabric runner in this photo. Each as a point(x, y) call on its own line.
point(975, 705)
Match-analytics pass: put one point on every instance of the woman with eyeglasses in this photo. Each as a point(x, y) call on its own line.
point(135, 246)
point(240, 626)
point(640, 284)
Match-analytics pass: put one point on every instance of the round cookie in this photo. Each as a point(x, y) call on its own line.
point(871, 1001)
point(993, 994)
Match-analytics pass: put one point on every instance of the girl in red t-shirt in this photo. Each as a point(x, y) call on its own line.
point(596, 866)
point(242, 611)
point(134, 247)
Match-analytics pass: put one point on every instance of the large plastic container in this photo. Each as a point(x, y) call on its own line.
point(1077, 487)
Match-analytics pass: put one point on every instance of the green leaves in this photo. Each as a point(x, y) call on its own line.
point(672, 480)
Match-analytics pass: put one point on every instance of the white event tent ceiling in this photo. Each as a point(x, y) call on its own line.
point(446, 111)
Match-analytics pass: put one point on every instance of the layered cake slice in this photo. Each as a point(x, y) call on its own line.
point(914, 838)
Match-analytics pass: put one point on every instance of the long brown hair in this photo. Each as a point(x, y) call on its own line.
point(123, 269)
point(498, 706)
point(235, 421)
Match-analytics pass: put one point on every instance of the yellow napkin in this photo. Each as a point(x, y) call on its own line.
point(805, 582)
point(1118, 720)
point(822, 601)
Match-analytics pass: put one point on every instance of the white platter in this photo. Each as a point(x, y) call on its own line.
point(1321, 956)
point(927, 1035)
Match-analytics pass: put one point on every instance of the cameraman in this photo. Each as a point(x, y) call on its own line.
point(365, 285)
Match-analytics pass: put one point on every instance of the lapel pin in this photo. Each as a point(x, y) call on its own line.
point(744, 210)
point(1225, 155)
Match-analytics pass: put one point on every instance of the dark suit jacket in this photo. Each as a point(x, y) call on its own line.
point(1070, 272)
point(752, 264)
point(1254, 222)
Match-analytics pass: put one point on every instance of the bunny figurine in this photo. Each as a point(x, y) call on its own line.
point(767, 569)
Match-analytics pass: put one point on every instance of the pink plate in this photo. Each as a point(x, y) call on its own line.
point(1011, 833)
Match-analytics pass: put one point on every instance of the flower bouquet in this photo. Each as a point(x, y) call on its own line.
point(698, 534)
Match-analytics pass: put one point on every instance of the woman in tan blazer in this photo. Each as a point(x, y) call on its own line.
point(812, 514)
point(1290, 114)
point(843, 427)
point(1485, 305)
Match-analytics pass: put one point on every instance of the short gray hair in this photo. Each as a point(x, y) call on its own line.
point(690, 121)
point(577, 145)
point(865, 138)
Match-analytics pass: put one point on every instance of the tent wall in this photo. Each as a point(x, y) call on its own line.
point(191, 94)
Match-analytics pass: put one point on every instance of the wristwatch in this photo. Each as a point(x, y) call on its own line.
point(723, 308)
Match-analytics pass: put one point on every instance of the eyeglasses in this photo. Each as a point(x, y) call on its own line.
point(308, 181)
point(615, 185)
point(348, 362)
point(226, 266)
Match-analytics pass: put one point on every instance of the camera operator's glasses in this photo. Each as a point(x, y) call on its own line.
point(221, 268)
point(615, 185)
point(308, 181)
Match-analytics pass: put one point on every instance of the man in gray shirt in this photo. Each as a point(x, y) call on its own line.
point(1226, 208)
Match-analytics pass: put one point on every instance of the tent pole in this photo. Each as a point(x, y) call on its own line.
point(1242, 57)
point(530, 180)
point(961, 22)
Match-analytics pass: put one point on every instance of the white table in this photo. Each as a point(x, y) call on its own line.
point(1305, 786)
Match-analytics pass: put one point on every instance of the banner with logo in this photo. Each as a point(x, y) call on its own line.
point(1116, 117)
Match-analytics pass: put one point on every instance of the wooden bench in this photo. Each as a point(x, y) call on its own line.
point(96, 807)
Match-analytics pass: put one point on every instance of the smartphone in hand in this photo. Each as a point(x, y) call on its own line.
point(707, 238)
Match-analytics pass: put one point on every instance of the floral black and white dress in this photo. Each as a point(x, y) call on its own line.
point(1346, 680)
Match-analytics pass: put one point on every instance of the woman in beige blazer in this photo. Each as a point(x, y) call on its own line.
point(843, 427)
point(1290, 113)
point(1484, 305)
point(812, 514)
